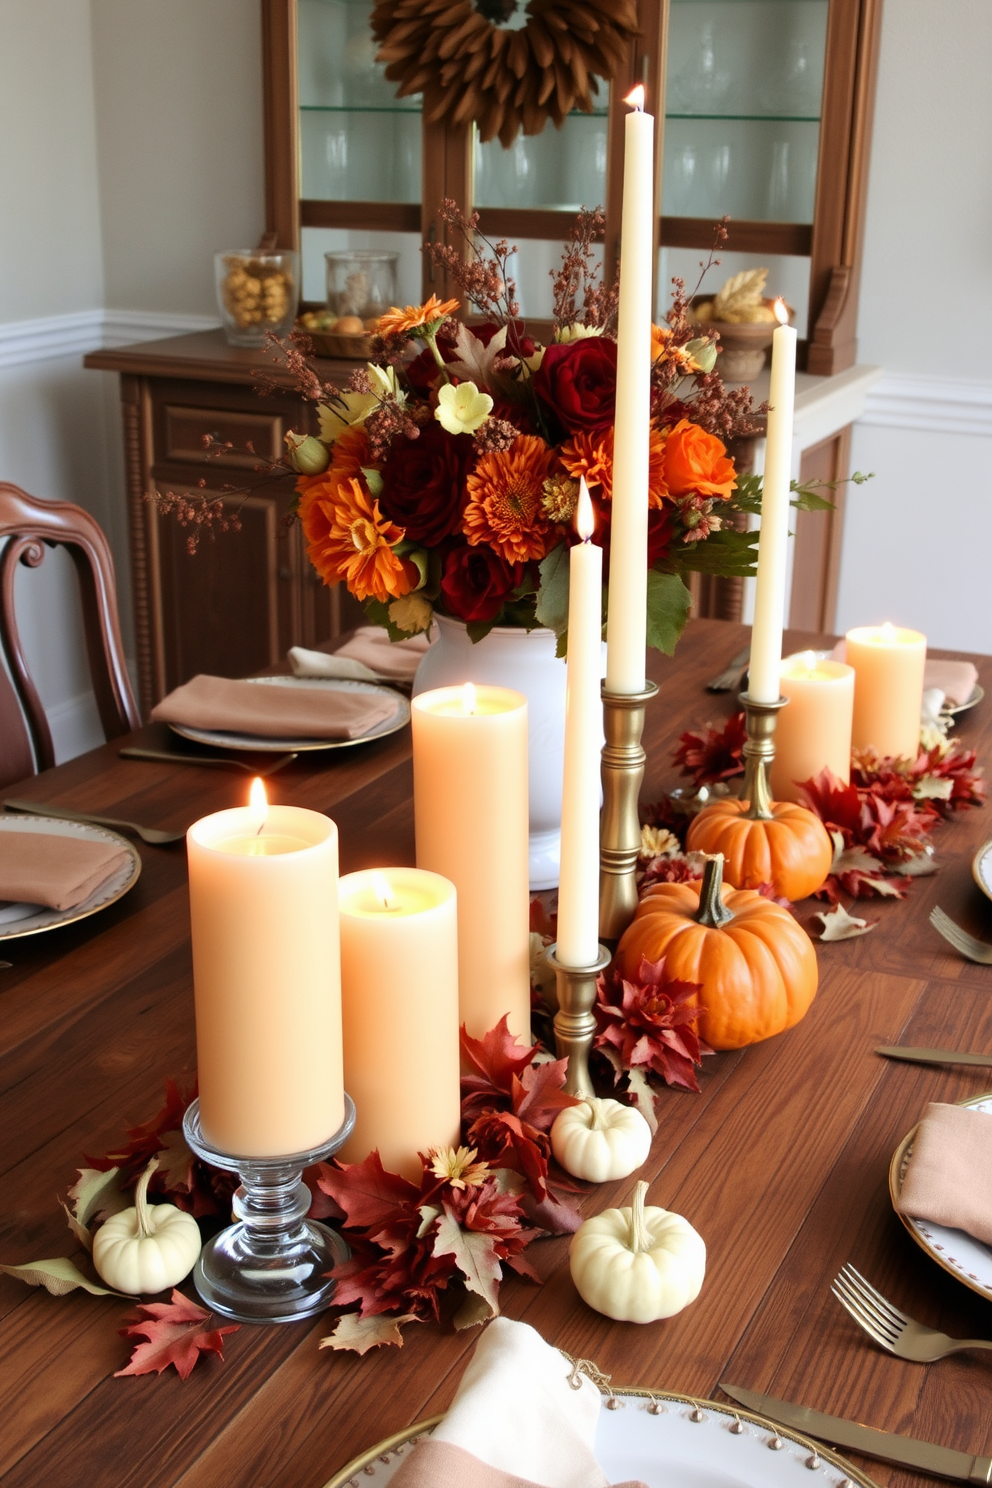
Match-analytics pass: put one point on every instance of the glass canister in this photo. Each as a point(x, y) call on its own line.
point(257, 292)
point(361, 282)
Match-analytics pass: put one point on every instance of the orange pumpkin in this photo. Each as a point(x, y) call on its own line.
point(755, 965)
point(792, 851)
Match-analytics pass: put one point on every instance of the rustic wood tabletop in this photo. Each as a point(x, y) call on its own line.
point(781, 1162)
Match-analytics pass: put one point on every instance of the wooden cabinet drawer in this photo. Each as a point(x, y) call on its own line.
point(186, 428)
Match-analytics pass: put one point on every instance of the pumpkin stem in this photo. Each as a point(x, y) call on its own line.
point(596, 1108)
point(639, 1238)
point(141, 1205)
point(712, 911)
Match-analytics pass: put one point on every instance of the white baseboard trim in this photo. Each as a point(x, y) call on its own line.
point(930, 404)
point(53, 336)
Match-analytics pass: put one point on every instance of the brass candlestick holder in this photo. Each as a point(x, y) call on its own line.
point(759, 751)
point(620, 826)
point(574, 1021)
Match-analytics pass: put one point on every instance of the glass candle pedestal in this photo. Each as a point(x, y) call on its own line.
point(271, 1265)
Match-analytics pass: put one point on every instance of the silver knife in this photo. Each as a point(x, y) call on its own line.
point(907, 1451)
point(934, 1056)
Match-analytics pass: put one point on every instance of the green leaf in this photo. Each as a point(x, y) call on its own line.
point(58, 1277)
point(728, 553)
point(373, 479)
point(378, 614)
point(552, 596)
point(475, 1256)
point(477, 630)
point(747, 494)
point(669, 602)
point(360, 1334)
point(806, 497)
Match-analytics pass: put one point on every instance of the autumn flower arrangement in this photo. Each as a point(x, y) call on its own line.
point(445, 476)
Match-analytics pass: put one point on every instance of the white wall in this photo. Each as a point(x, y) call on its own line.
point(918, 538)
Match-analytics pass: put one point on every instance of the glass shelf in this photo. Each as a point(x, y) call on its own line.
point(360, 108)
point(556, 170)
point(754, 118)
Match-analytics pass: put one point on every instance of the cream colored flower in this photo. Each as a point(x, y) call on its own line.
point(659, 842)
point(461, 409)
point(577, 332)
point(411, 614)
point(354, 408)
point(459, 1168)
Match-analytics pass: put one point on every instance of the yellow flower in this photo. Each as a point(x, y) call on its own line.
point(458, 1168)
point(659, 842)
point(577, 332)
point(411, 614)
point(461, 409)
point(357, 406)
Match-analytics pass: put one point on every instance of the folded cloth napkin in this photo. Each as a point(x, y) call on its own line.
point(60, 872)
point(956, 679)
point(515, 1422)
point(949, 1176)
point(274, 712)
point(369, 655)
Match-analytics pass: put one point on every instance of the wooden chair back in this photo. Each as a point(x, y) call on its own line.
point(26, 526)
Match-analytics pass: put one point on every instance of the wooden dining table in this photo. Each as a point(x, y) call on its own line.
point(781, 1162)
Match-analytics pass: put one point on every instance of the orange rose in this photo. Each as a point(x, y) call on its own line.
point(696, 463)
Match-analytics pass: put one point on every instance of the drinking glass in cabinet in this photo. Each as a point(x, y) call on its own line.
point(361, 282)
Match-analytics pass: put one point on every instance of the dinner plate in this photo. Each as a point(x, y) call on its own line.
point(667, 1441)
point(262, 744)
point(981, 867)
point(967, 1259)
point(31, 919)
point(976, 697)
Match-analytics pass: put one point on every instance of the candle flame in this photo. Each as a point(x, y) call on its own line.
point(808, 660)
point(636, 97)
point(781, 311)
point(887, 634)
point(585, 521)
point(468, 699)
point(382, 890)
point(258, 804)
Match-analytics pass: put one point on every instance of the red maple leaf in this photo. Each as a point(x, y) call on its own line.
point(493, 1061)
point(670, 870)
point(836, 804)
point(710, 754)
point(175, 1334)
point(369, 1197)
point(649, 1022)
point(538, 1093)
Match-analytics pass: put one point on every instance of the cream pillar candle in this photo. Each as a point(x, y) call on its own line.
point(266, 977)
point(888, 667)
point(399, 983)
point(470, 806)
point(627, 622)
point(814, 732)
point(773, 539)
point(578, 890)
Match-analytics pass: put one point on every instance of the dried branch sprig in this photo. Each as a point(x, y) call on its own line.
point(581, 271)
point(205, 515)
point(295, 354)
point(482, 280)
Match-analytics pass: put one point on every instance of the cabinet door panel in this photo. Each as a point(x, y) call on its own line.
point(186, 429)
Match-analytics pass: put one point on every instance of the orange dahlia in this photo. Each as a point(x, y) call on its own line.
point(397, 322)
point(348, 538)
point(591, 455)
point(504, 508)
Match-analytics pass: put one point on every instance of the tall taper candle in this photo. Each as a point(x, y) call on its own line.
point(578, 891)
point(773, 541)
point(627, 623)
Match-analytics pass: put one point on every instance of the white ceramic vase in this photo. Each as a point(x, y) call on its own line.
point(526, 661)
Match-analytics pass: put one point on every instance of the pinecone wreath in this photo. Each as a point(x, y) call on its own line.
point(471, 67)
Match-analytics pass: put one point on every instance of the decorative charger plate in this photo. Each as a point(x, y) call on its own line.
point(967, 1259)
point(667, 1441)
point(263, 744)
point(31, 919)
point(981, 868)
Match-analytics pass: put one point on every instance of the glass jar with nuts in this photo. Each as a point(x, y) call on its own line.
point(257, 292)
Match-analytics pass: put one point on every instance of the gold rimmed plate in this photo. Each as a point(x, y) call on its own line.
point(981, 868)
point(32, 919)
point(662, 1439)
point(961, 1255)
point(260, 744)
point(978, 692)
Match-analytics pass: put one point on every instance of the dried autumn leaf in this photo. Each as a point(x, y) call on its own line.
point(96, 1194)
point(740, 296)
point(58, 1277)
point(839, 925)
point(174, 1333)
point(473, 1311)
point(359, 1334)
point(639, 1087)
point(475, 1256)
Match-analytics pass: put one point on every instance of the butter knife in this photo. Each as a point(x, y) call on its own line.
point(907, 1451)
point(934, 1056)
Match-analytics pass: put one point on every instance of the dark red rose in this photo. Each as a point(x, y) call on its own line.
point(578, 382)
point(476, 581)
point(423, 484)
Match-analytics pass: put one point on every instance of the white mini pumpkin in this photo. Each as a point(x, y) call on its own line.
point(599, 1140)
point(638, 1264)
point(147, 1248)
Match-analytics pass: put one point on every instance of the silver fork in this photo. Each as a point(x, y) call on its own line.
point(894, 1330)
point(154, 836)
point(728, 679)
point(968, 946)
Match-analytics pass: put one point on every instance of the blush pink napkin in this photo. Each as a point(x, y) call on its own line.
point(949, 1176)
point(369, 655)
point(60, 872)
point(956, 679)
point(274, 712)
point(515, 1422)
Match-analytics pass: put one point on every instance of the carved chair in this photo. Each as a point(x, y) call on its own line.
point(26, 526)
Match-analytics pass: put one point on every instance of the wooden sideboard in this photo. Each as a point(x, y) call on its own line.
point(245, 597)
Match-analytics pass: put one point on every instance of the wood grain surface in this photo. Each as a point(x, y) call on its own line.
point(781, 1162)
